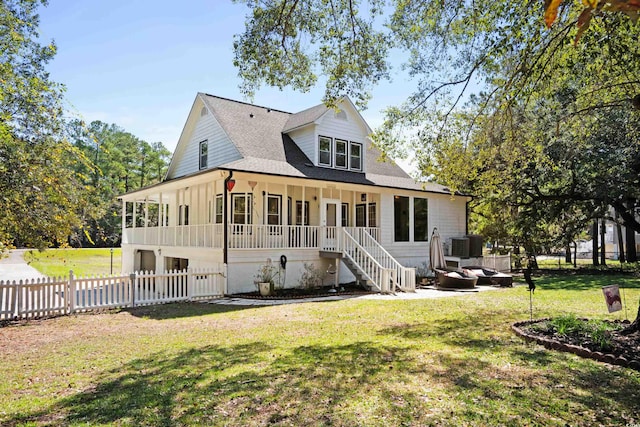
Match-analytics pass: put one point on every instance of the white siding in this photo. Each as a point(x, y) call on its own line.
point(351, 129)
point(221, 150)
point(306, 139)
point(445, 213)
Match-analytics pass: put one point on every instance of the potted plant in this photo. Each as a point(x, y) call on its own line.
point(264, 278)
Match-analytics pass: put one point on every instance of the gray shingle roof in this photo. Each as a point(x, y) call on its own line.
point(258, 133)
point(304, 117)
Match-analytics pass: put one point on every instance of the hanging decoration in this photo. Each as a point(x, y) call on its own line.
point(230, 184)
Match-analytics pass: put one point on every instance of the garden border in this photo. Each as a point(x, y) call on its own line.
point(553, 344)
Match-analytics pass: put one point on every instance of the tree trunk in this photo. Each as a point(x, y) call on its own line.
point(594, 243)
point(634, 326)
point(567, 253)
point(603, 245)
point(630, 238)
point(620, 242)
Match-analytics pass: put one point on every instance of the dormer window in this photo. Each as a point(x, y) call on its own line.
point(340, 153)
point(204, 154)
point(355, 156)
point(326, 151)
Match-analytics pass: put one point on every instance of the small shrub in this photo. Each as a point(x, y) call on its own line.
point(566, 324)
point(311, 276)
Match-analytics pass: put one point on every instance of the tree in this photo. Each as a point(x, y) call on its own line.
point(555, 129)
point(120, 162)
point(39, 192)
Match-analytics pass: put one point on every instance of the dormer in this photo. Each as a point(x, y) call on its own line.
point(331, 138)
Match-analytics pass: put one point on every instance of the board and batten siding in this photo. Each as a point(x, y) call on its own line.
point(221, 149)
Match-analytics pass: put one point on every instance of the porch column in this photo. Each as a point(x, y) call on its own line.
point(160, 218)
point(134, 217)
point(304, 187)
point(124, 221)
point(146, 218)
point(353, 212)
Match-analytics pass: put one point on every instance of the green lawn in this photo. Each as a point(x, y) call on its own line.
point(83, 262)
point(451, 361)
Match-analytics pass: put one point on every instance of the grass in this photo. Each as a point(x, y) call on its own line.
point(83, 262)
point(448, 361)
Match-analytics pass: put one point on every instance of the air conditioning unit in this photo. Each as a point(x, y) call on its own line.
point(475, 245)
point(460, 247)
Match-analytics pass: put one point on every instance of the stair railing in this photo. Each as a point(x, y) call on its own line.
point(379, 276)
point(403, 278)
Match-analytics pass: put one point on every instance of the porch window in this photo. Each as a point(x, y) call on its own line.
point(204, 154)
point(274, 204)
point(341, 154)
point(299, 213)
point(401, 218)
point(345, 214)
point(420, 219)
point(241, 208)
point(183, 215)
point(326, 152)
point(361, 215)
point(219, 209)
point(355, 156)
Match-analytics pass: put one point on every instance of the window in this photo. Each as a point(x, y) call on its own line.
point(372, 215)
point(326, 152)
point(401, 218)
point(361, 215)
point(355, 156)
point(183, 215)
point(341, 154)
point(345, 214)
point(273, 209)
point(219, 209)
point(241, 208)
point(204, 153)
point(420, 219)
point(299, 213)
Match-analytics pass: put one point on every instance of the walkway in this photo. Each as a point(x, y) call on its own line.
point(418, 294)
point(14, 267)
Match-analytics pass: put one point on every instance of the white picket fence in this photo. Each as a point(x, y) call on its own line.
point(26, 299)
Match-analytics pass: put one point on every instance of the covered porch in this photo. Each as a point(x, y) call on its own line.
point(234, 210)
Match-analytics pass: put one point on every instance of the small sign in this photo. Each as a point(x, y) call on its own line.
point(612, 298)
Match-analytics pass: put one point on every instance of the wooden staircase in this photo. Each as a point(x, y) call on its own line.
point(372, 266)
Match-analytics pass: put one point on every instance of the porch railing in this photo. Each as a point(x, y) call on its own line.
point(242, 236)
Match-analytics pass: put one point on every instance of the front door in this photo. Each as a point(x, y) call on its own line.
point(330, 220)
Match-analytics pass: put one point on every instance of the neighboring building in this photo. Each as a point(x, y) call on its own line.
point(248, 183)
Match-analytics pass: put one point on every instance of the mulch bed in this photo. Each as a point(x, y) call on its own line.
point(298, 293)
point(624, 350)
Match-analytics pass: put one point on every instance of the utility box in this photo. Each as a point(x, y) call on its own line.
point(475, 245)
point(460, 247)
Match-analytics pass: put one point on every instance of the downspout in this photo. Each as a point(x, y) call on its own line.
point(225, 220)
point(466, 217)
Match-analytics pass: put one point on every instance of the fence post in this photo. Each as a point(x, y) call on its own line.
point(190, 283)
point(132, 288)
point(71, 286)
point(18, 298)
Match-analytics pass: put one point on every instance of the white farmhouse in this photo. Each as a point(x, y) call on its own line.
point(249, 183)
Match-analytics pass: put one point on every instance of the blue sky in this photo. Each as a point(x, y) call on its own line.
point(139, 64)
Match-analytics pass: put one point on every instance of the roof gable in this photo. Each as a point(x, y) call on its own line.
point(260, 136)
